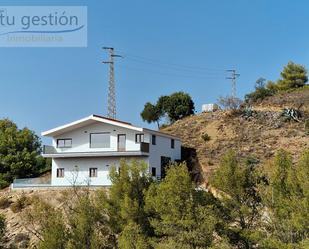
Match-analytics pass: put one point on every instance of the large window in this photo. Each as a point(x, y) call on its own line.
point(93, 172)
point(60, 172)
point(100, 140)
point(139, 138)
point(64, 143)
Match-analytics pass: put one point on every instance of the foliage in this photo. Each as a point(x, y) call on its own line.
point(287, 197)
point(237, 183)
point(151, 113)
point(19, 152)
point(229, 102)
point(175, 106)
point(261, 91)
point(132, 237)
point(293, 76)
point(180, 214)
point(206, 137)
point(125, 201)
point(291, 114)
point(2, 228)
point(20, 203)
point(4, 202)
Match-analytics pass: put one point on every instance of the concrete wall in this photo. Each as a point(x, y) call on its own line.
point(163, 148)
point(76, 170)
point(81, 138)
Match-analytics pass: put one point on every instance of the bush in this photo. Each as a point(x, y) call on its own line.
point(4, 202)
point(21, 237)
point(229, 102)
point(20, 204)
point(206, 137)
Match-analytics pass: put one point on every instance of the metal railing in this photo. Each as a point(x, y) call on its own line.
point(47, 149)
point(31, 182)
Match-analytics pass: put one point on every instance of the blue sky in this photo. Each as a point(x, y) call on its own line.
point(168, 46)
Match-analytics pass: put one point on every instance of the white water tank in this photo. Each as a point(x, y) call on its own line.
point(209, 107)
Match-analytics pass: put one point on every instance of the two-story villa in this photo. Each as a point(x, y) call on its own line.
point(83, 151)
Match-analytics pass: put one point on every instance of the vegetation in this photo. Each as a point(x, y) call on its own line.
point(256, 206)
point(2, 230)
point(175, 106)
point(206, 137)
point(293, 76)
point(19, 153)
point(229, 103)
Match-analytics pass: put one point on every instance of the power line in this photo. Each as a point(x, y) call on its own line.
point(174, 65)
point(233, 78)
point(111, 102)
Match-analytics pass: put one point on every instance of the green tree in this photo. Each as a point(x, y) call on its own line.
point(287, 199)
point(180, 214)
point(175, 106)
point(132, 237)
point(293, 76)
point(151, 113)
point(125, 201)
point(237, 185)
point(19, 152)
point(261, 92)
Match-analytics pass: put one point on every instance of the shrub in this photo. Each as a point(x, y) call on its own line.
point(229, 102)
point(206, 137)
point(21, 237)
point(4, 202)
point(19, 204)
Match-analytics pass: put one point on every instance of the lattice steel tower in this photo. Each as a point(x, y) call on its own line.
point(233, 77)
point(111, 102)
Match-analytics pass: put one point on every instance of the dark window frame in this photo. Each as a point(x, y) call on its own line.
point(96, 133)
point(154, 171)
point(93, 170)
point(153, 139)
point(172, 143)
point(64, 139)
point(60, 172)
point(141, 135)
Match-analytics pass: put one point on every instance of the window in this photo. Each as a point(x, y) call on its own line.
point(100, 140)
point(172, 143)
point(153, 171)
point(93, 172)
point(139, 138)
point(153, 139)
point(64, 143)
point(60, 172)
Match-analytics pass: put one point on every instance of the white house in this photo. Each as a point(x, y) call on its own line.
point(84, 151)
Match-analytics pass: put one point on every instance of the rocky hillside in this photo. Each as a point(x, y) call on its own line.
point(258, 134)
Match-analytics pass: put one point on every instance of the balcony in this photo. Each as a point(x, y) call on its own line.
point(52, 152)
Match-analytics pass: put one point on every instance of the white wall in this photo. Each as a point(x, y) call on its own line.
point(163, 148)
point(81, 138)
point(76, 170)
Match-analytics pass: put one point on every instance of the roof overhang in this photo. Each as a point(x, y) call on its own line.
point(85, 122)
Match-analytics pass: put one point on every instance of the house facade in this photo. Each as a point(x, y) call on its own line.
point(84, 151)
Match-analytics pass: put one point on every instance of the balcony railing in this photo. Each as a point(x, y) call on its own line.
point(47, 149)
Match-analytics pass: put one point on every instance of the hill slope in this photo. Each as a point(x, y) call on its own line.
point(260, 135)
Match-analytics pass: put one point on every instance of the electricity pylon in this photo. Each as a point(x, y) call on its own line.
point(233, 78)
point(111, 102)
